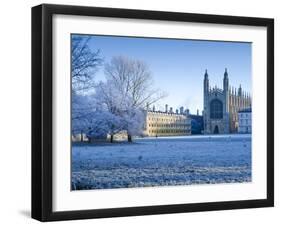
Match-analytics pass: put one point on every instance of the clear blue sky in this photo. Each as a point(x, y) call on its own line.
point(178, 66)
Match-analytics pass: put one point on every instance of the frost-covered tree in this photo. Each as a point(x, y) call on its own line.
point(132, 79)
point(94, 118)
point(103, 123)
point(133, 121)
point(82, 112)
point(110, 108)
point(114, 105)
point(84, 64)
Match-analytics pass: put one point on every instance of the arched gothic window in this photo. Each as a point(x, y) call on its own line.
point(216, 109)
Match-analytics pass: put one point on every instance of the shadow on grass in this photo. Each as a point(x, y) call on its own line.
point(227, 138)
point(104, 143)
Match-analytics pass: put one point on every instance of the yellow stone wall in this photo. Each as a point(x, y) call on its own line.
point(167, 124)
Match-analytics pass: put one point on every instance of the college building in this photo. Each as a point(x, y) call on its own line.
point(221, 106)
point(245, 121)
point(167, 123)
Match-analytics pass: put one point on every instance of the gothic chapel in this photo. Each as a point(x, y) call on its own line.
point(221, 106)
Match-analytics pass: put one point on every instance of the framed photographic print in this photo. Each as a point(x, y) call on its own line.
point(145, 112)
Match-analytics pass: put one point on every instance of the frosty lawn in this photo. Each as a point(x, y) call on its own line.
point(162, 161)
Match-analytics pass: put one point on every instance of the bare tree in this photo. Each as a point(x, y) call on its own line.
point(133, 79)
point(84, 63)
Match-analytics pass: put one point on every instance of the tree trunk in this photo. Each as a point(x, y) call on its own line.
point(111, 138)
point(129, 138)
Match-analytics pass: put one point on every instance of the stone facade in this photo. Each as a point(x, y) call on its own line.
point(221, 106)
point(168, 123)
point(245, 121)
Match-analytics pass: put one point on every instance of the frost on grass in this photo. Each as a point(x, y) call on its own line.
point(162, 161)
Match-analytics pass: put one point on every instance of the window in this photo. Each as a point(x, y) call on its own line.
point(216, 109)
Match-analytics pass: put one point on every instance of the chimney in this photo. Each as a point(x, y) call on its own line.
point(171, 110)
point(187, 111)
point(147, 106)
point(181, 110)
point(197, 111)
point(153, 108)
point(177, 111)
point(166, 108)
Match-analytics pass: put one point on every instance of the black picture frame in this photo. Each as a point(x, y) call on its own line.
point(42, 111)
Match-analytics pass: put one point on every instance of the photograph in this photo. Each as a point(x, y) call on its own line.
point(141, 112)
point(149, 111)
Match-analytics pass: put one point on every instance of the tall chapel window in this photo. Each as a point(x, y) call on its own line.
point(216, 109)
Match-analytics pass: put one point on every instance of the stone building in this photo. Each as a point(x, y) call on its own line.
point(245, 121)
point(167, 123)
point(197, 124)
point(221, 106)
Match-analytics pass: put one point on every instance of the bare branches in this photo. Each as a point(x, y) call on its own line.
point(134, 79)
point(84, 63)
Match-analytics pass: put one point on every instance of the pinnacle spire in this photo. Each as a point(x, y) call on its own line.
point(225, 81)
point(240, 90)
point(225, 73)
point(206, 74)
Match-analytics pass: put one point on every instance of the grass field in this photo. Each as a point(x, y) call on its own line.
point(162, 161)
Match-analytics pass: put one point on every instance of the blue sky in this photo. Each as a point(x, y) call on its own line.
point(178, 66)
